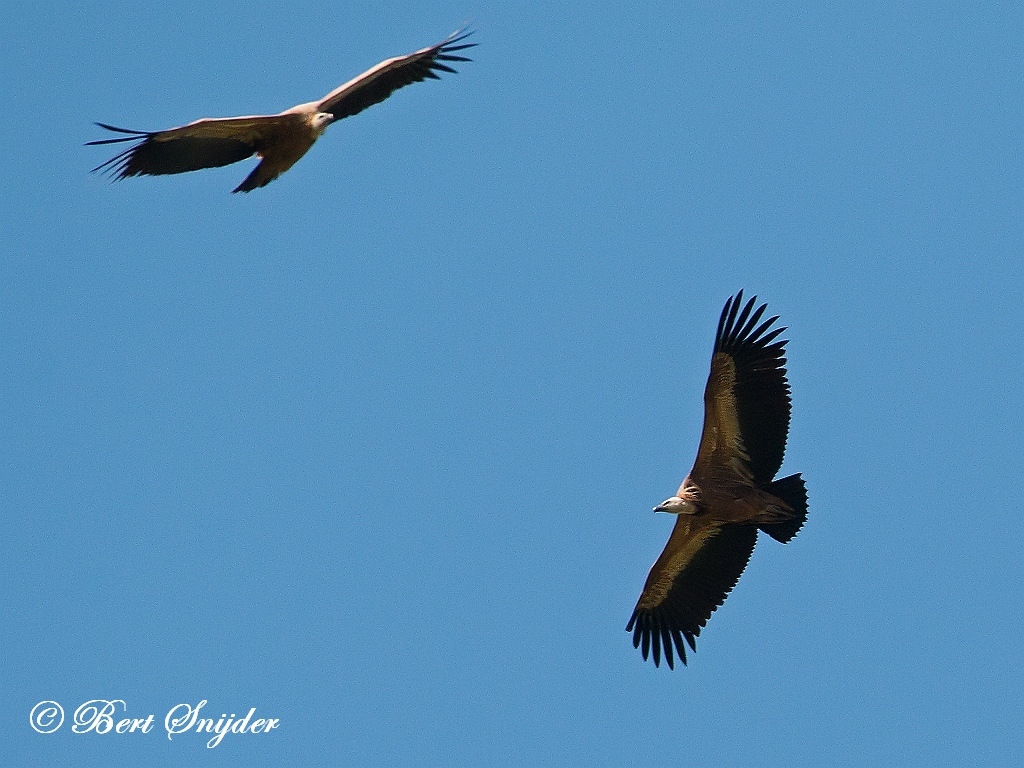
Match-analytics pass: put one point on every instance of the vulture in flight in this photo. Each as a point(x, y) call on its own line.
point(731, 492)
point(280, 140)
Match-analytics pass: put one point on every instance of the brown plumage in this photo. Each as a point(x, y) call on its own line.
point(731, 492)
point(280, 140)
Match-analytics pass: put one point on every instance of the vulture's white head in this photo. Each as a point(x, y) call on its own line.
point(321, 120)
point(677, 506)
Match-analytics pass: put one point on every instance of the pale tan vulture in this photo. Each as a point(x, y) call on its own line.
point(731, 492)
point(280, 140)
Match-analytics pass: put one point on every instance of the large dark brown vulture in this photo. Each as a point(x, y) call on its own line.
point(731, 492)
point(280, 140)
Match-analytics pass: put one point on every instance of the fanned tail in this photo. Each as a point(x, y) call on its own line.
point(792, 491)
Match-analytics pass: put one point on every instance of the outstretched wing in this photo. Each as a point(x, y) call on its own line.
point(746, 400)
point(206, 143)
point(699, 566)
point(376, 84)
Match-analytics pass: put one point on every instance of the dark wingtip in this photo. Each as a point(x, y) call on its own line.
point(448, 45)
point(738, 324)
point(132, 135)
point(443, 51)
point(465, 30)
point(115, 129)
point(116, 166)
point(655, 640)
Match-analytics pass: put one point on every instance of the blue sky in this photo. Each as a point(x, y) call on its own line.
point(373, 449)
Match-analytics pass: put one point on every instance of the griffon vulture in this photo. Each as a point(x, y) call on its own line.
point(280, 140)
point(731, 492)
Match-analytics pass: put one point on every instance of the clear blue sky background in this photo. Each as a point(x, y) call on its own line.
point(374, 449)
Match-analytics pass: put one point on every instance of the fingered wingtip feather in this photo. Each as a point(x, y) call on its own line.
point(752, 321)
point(734, 309)
point(756, 333)
point(677, 638)
point(113, 141)
point(666, 641)
point(770, 337)
point(464, 31)
point(115, 166)
point(115, 129)
point(448, 46)
point(133, 135)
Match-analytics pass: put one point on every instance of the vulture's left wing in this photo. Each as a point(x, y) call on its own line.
point(207, 143)
point(746, 400)
point(376, 84)
point(699, 566)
